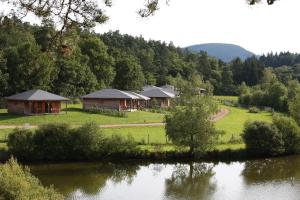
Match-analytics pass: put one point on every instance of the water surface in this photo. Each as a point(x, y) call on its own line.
point(265, 179)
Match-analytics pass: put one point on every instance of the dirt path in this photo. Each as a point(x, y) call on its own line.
point(220, 115)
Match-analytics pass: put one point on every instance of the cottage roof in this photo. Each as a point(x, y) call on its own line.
point(142, 97)
point(37, 95)
point(157, 93)
point(110, 94)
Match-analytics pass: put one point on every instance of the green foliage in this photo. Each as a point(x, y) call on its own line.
point(86, 141)
point(74, 77)
point(108, 112)
point(28, 67)
point(294, 107)
point(290, 133)
point(129, 75)
point(58, 142)
point(190, 125)
point(254, 110)
point(16, 183)
point(51, 142)
point(263, 138)
point(99, 61)
point(4, 76)
point(20, 142)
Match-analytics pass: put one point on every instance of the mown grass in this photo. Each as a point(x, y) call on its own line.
point(142, 135)
point(233, 124)
point(4, 134)
point(76, 116)
point(229, 98)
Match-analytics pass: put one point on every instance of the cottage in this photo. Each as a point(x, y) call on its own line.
point(34, 102)
point(159, 95)
point(113, 99)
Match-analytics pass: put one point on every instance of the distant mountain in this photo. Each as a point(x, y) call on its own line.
point(225, 52)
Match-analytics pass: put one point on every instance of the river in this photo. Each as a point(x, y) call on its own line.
point(264, 179)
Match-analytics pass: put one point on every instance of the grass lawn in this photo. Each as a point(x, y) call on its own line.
point(4, 133)
point(140, 134)
point(228, 98)
point(77, 116)
point(233, 124)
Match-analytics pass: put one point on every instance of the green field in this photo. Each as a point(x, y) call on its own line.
point(76, 116)
point(232, 124)
point(142, 135)
point(228, 98)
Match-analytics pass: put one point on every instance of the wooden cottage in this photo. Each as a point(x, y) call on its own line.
point(159, 95)
point(35, 102)
point(113, 99)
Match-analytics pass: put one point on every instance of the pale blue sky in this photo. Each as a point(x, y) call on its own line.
point(259, 28)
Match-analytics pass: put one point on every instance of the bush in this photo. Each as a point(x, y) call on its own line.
point(290, 133)
point(263, 138)
point(16, 183)
point(108, 112)
point(118, 144)
point(59, 142)
point(254, 110)
point(20, 143)
point(52, 142)
point(86, 141)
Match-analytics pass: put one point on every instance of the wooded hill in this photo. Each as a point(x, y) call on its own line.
point(87, 61)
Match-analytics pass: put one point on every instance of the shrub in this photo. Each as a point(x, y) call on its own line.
point(86, 141)
point(118, 144)
point(20, 143)
point(52, 142)
point(254, 110)
point(263, 138)
point(108, 112)
point(59, 142)
point(290, 133)
point(244, 99)
point(16, 183)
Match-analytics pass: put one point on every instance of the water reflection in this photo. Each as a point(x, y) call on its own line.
point(190, 181)
point(265, 179)
point(275, 170)
point(88, 178)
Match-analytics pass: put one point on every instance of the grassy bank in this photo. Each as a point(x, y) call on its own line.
point(232, 125)
point(76, 116)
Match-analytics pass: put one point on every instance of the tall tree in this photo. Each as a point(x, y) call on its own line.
point(129, 75)
point(100, 62)
point(74, 77)
point(237, 70)
point(29, 68)
point(4, 76)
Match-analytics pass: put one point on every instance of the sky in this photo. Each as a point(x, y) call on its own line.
point(260, 29)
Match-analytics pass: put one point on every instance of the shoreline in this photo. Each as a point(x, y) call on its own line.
point(214, 156)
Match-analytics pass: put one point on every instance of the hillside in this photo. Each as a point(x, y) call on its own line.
point(225, 52)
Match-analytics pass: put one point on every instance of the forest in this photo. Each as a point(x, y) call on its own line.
point(84, 61)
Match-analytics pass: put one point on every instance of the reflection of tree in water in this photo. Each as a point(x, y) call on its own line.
point(90, 178)
point(190, 181)
point(275, 169)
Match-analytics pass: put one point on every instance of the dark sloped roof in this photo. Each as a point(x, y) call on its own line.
point(110, 94)
point(37, 95)
point(157, 92)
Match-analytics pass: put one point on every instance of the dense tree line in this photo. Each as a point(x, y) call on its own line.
point(86, 61)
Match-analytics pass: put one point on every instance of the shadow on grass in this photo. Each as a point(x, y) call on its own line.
point(73, 109)
point(7, 116)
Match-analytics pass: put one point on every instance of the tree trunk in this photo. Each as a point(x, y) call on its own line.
point(192, 146)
